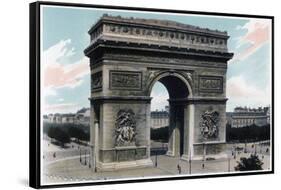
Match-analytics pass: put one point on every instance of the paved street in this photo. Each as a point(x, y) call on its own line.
point(53, 152)
point(66, 166)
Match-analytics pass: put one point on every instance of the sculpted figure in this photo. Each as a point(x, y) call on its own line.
point(125, 127)
point(208, 124)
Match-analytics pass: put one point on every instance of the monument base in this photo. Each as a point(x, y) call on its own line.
point(113, 166)
point(185, 157)
point(170, 153)
point(222, 156)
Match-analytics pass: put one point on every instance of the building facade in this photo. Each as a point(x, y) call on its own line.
point(243, 116)
point(159, 119)
point(82, 116)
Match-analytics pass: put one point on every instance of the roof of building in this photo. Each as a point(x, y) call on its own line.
point(246, 111)
point(68, 115)
point(83, 110)
point(158, 23)
point(159, 113)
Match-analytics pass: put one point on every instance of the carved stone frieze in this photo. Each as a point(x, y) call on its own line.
point(164, 35)
point(187, 75)
point(125, 128)
point(127, 80)
point(209, 124)
point(211, 84)
point(162, 60)
point(96, 81)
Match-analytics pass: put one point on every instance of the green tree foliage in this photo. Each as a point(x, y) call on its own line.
point(62, 136)
point(51, 132)
point(247, 134)
point(59, 135)
point(251, 163)
point(78, 131)
point(160, 134)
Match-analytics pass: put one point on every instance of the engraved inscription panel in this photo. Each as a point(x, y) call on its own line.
point(96, 81)
point(211, 84)
point(128, 80)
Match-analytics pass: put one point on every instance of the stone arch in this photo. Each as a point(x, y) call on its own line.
point(178, 85)
point(124, 70)
point(176, 74)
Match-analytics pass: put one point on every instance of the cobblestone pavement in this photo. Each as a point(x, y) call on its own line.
point(66, 166)
point(71, 170)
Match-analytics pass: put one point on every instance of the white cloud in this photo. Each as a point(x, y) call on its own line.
point(58, 75)
point(61, 108)
point(61, 100)
point(52, 55)
point(258, 33)
point(59, 72)
point(241, 93)
point(47, 91)
point(159, 100)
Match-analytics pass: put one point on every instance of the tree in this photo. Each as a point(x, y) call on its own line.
point(160, 134)
point(51, 132)
point(61, 136)
point(247, 134)
point(251, 163)
point(62, 131)
point(79, 133)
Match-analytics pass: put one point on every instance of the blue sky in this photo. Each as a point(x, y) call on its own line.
point(66, 72)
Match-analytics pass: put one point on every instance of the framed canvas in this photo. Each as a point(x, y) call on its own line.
point(121, 94)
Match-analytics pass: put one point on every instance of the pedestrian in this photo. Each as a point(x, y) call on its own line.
point(179, 169)
point(203, 166)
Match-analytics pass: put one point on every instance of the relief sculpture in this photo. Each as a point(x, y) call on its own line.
point(125, 128)
point(209, 124)
point(96, 81)
point(126, 80)
point(211, 84)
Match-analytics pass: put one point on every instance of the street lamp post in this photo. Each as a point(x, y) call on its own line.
point(204, 155)
point(189, 165)
point(96, 126)
point(189, 160)
point(90, 153)
point(85, 158)
point(228, 164)
point(235, 153)
point(156, 160)
point(80, 156)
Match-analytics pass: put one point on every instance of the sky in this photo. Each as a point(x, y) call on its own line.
point(65, 70)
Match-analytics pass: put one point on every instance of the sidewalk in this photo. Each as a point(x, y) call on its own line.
point(71, 170)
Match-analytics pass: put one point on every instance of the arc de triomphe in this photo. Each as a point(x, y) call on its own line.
point(127, 56)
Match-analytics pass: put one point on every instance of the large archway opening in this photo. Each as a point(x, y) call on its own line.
point(174, 90)
point(159, 120)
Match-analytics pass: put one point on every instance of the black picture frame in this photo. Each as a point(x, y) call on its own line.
point(35, 96)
